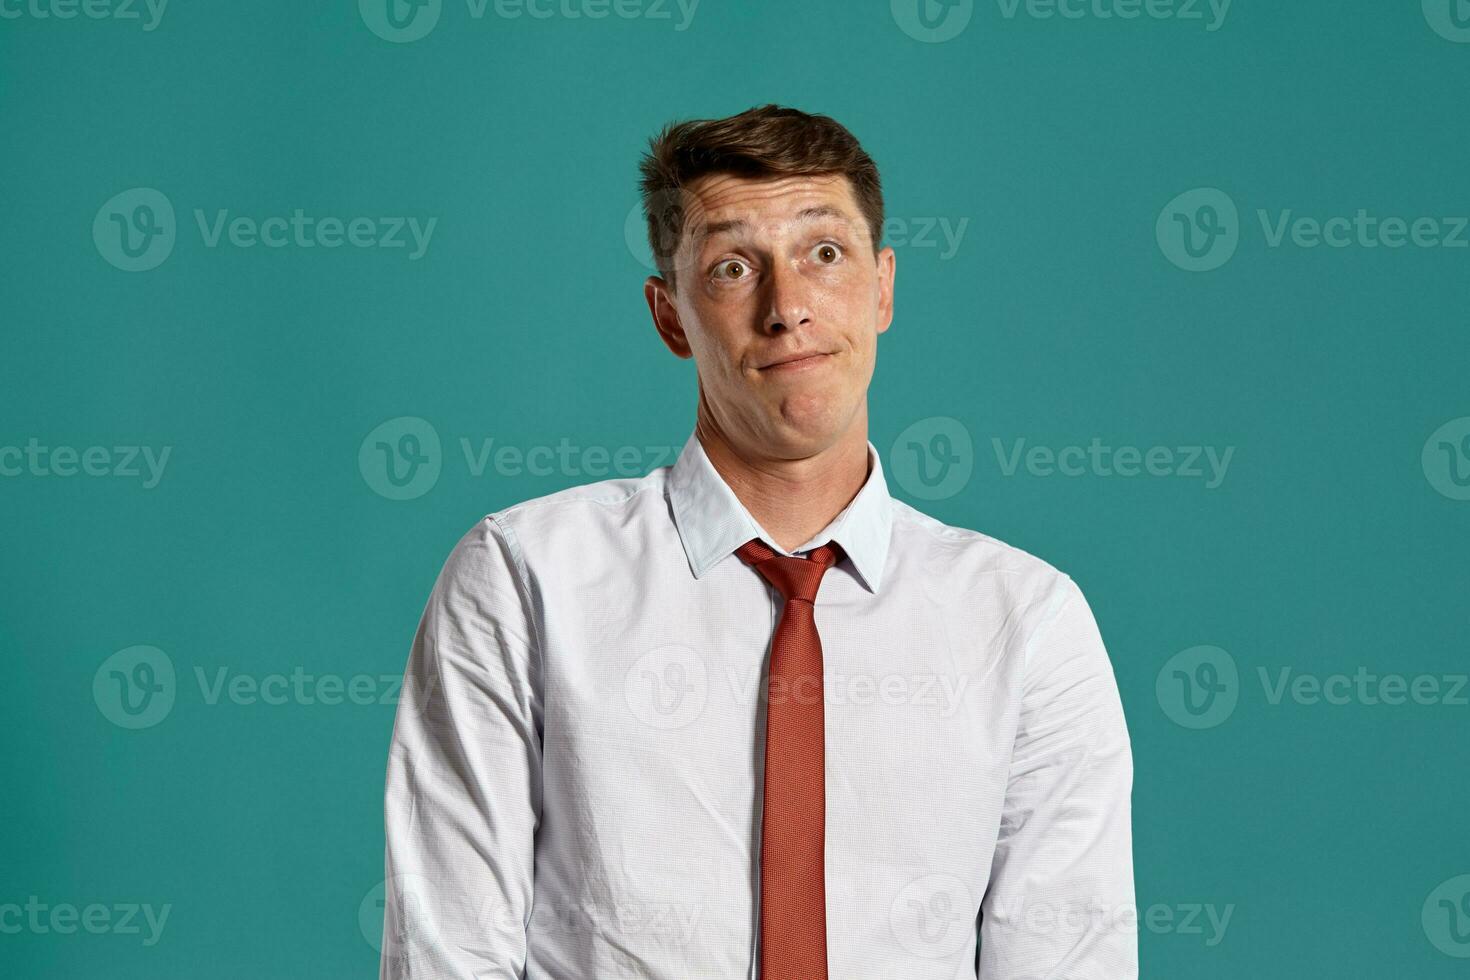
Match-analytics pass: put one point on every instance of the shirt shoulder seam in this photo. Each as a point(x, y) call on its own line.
point(523, 588)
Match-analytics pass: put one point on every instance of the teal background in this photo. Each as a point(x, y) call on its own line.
point(264, 547)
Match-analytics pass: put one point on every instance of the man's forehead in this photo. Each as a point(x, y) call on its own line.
point(728, 198)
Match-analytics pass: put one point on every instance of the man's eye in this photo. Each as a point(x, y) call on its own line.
point(827, 253)
point(733, 269)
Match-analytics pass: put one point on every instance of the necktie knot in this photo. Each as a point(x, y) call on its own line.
point(793, 577)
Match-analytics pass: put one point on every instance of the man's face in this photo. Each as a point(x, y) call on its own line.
point(768, 270)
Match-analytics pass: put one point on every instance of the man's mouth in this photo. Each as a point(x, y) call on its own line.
point(798, 362)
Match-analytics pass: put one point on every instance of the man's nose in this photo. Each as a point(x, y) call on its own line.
point(788, 299)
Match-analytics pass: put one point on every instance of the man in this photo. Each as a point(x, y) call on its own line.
point(750, 716)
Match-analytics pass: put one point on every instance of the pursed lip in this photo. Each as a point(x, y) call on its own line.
point(794, 358)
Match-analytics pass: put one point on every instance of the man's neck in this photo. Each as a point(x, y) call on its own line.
point(792, 499)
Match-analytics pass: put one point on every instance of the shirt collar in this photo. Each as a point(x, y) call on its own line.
point(712, 522)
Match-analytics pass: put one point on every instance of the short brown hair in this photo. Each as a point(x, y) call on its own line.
point(766, 141)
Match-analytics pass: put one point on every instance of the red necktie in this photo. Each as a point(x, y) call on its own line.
point(793, 815)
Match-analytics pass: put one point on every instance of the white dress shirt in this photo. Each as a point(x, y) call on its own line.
point(575, 778)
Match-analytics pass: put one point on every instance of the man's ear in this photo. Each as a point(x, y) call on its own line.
point(660, 297)
point(887, 270)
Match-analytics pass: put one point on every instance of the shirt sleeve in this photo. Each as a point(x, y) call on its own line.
point(463, 790)
point(1060, 902)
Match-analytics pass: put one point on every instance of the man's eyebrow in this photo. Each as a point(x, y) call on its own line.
point(740, 224)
